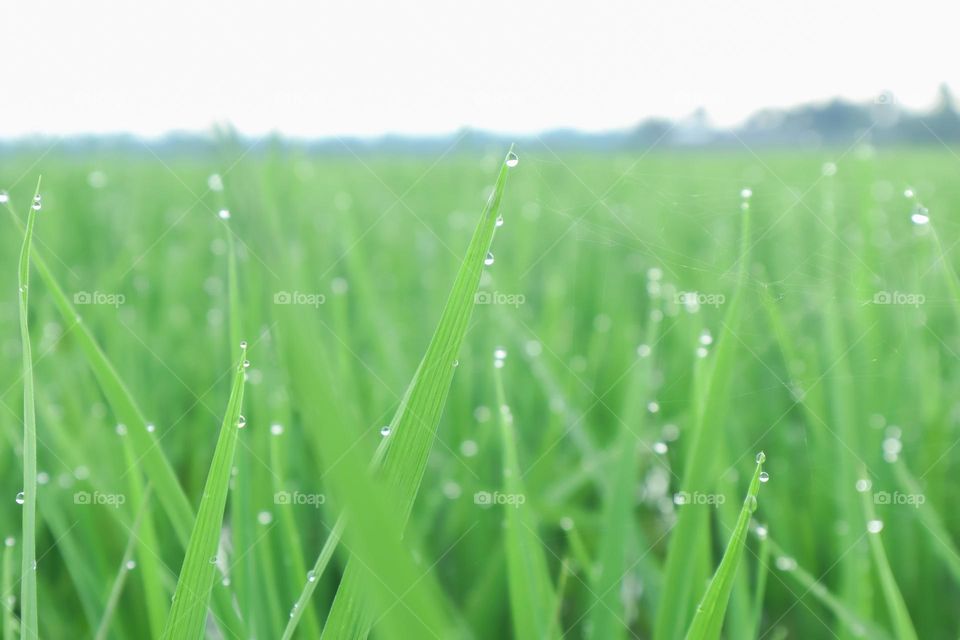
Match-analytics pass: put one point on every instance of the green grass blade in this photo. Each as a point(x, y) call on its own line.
point(189, 609)
point(681, 567)
point(856, 624)
point(413, 426)
point(169, 491)
point(303, 602)
point(28, 564)
point(532, 598)
point(6, 589)
point(114, 598)
point(940, 536)
point(708, 620)
point(896, 607)
point(608, 612)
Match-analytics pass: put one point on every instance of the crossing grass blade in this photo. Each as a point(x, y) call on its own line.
point(115, 592)
point(682, 565)
point(896, 607)
point(857, 625)
point(532, 595)
point(189, 609)
point(28, 570)
point(6, 590)
point(708, 619)
point(414, 425)
point(940, 537)
point(608, 613)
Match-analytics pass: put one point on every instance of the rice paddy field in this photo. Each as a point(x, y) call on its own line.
point(675, 394)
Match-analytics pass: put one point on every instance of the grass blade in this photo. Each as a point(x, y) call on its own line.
point(681, 566)
point(189, 609)
point(856, 624)
point(6, 590)
point(28, 564)
point(531, 592)
point(896, 607)
point(121, 578)
point(708, 620)
point(413, 426)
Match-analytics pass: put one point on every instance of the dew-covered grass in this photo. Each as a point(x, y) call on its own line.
point(553, 434)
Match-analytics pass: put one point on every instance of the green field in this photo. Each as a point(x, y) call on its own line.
point(660, 329)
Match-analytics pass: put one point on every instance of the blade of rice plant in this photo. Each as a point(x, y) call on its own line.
point(856, 624)
point(28, 499)
point(681, 565)
point(6, 590)
point(125, 408)
point(326, 552)
point(413, 427)
point(125, 568)
point(149, 454)
point(940, 536)
point(189, 609)
point(896, 607)
point(532, 600)
point(760, 582)
point(608, 609)
point(708, 620)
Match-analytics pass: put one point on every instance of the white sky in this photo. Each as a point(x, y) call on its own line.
point(433, 66)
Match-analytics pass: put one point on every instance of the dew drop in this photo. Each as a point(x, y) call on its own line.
point(243, 344)
point(786, 563)
point(37, 206)
point(10, 541)
point(276, 429)
point(908, 193)
point(130, 565)
point(746, 193)
point(920, 215)
point(660, 447)
point(121, 429)
point(224, 214)
point(761, 531)
point(653, 407)
point(246, 364)
point(311, 576)
point(875, 526)
point(706, 338)
point(264, 517)
point(456, 363)
point(499, 221)
point(241, 422)
point(4, 198)
point(36, 198)
point(213, 559)
point(643, 350)
point(500, 353)
point(702, 352)
point(764, 476)
point(385, 431)
point(761, 457)
point(863, 485)
point(151, 427)
point(512, 159)
point(20, 499)
point(489, 259)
